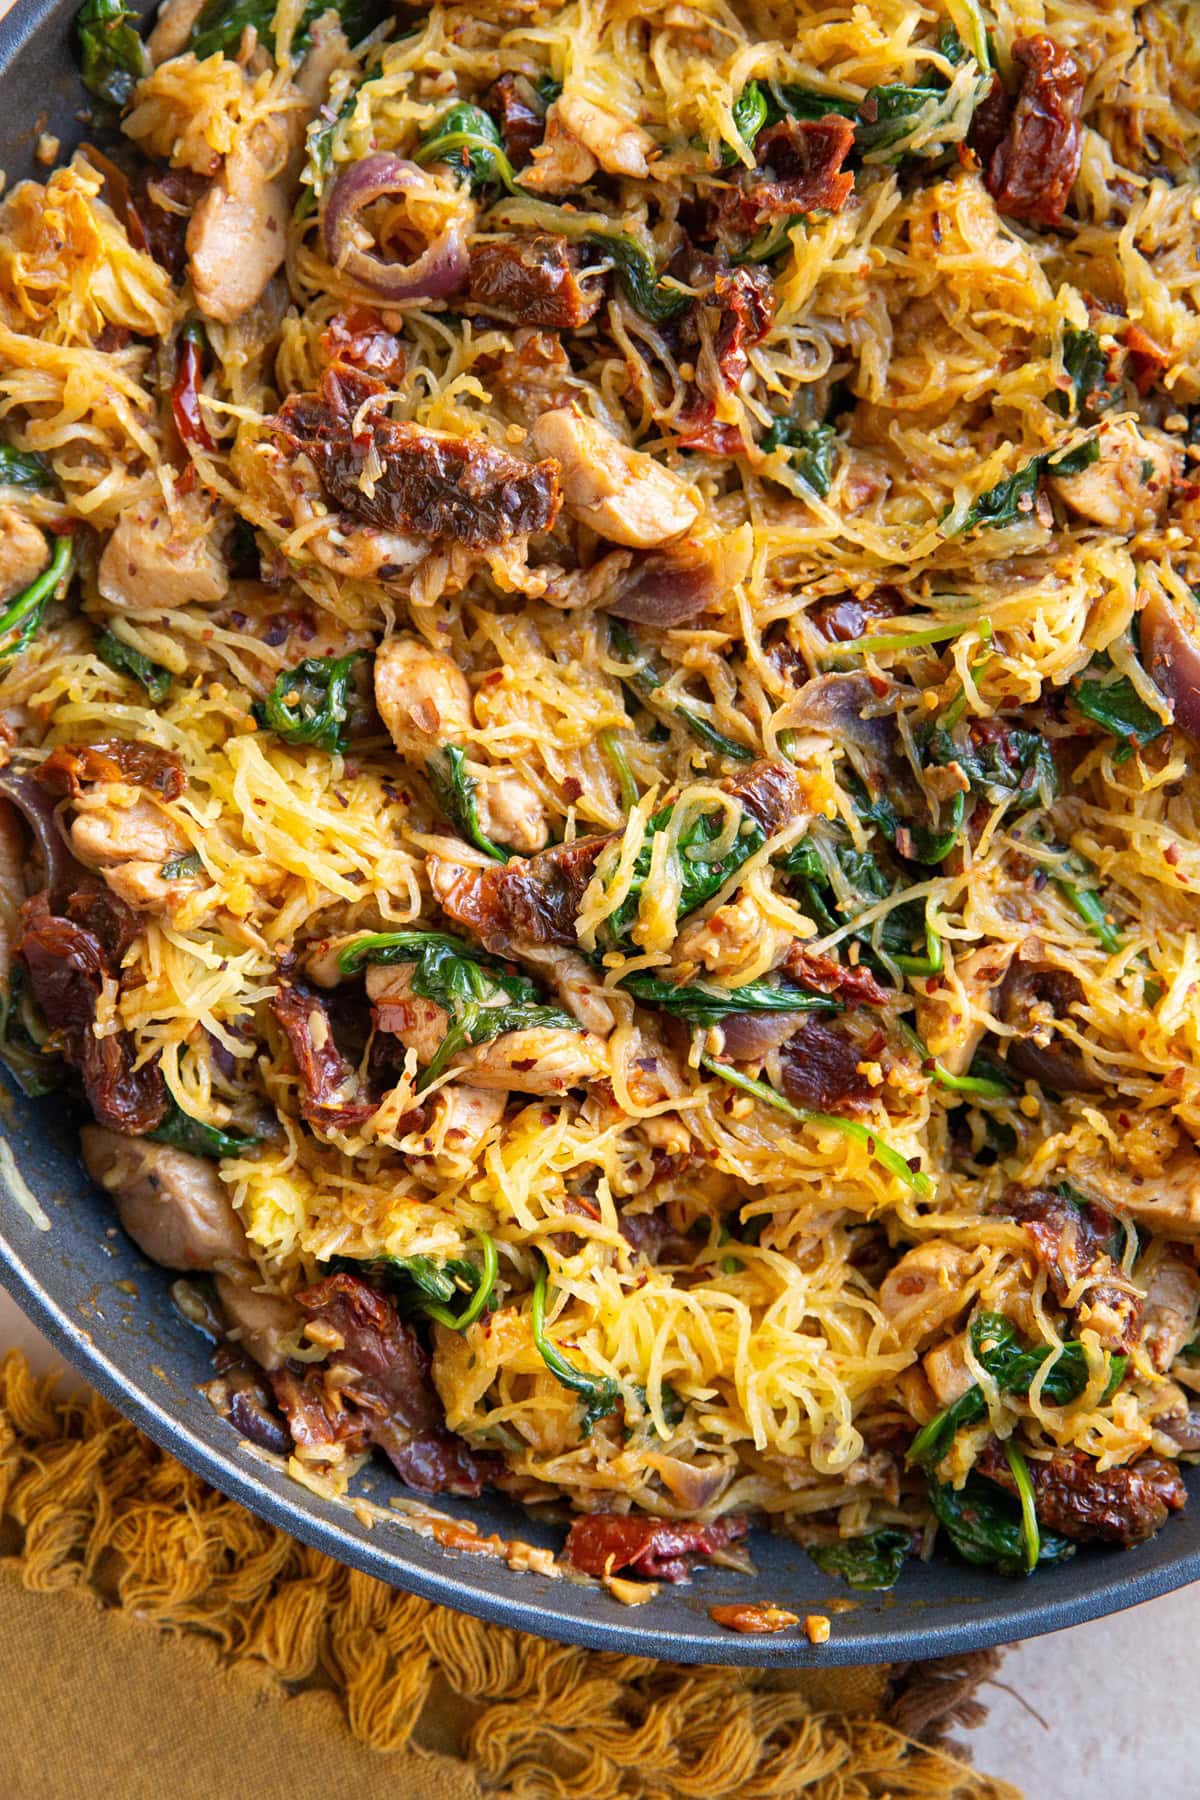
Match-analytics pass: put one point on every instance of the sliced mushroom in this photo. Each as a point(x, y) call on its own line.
point(852, 712)
point(174, 1206)
point(1170, 644)
point(1172, 1308)
point(264, 1322)
point(1032, 996)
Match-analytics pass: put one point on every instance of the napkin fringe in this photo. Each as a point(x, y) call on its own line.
point(87, 1501)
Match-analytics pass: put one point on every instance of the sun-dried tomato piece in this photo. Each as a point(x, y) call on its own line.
point(72, 767)
point(852, 982)
point(532, 280)
point(818, 1068)
point(329, 1088)
point(1033, 168)
point(1125, 1505)
point(427, 484)
point(522, 116)
point(660, 1549)
point(376, 1389)
point(67, 967)
point(799, 170)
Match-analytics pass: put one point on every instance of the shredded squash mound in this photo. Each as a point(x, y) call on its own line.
point(681, 502)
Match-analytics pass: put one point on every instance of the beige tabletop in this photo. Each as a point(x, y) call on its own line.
point(1103, 1708)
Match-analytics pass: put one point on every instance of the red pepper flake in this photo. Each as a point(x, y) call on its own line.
point(185, 392)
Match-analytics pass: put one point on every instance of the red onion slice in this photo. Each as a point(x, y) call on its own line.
point(63, 870)
point(1171, 653)
point(442, 267)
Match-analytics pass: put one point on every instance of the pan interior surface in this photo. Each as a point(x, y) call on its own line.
point(111, 1315)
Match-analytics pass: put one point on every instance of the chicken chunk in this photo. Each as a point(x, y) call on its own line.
point(106, 832)
point(560, 163)
point(925, 1290)
point(945, 1017)
point(422, 696)
point(623, 494)
point(543, 1060)
point(172, 29)
point(157, 560)
point(575, 985)
point(1167, 1202)
point(462, 1118)
point(538, 1061)
point(174, 1206)
point(1127, 489)
point(1172, 1307)
point(328, 51)
point(735, 937)
point(264, 1322)
point(511, 812)
point(237, 235)
point(946, 1369)
point(618, 145)
point(129, 845)
point(419, 1024)
point(24, 552)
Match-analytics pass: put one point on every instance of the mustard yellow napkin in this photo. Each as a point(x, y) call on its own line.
point(160, 1641)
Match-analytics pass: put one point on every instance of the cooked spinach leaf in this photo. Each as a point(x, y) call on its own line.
point(24, 468)
point(701, 873)
point(112, 54)
point(1087, 366)
point(600, 1393)
point(751, 111)
point(311, 703)
point(480, 999)
point(646, 683)
point(1113, 703)
point(468, 139)
point(987, 1527)
point(424, 1286)
point(889, 113)
point(1008, 765)
point(183, 1132)
point(827, 865)
point(702, 1004)
point(181, 868)
point(456, 793)
point(1014, 498)
point(221, 23)
point(25, 611)
point(996, 1346)
point(813, 449)
point(872, 1563)
point(127, 661)
point(638, 279)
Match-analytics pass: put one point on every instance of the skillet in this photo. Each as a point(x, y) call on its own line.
point(110, 1313)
